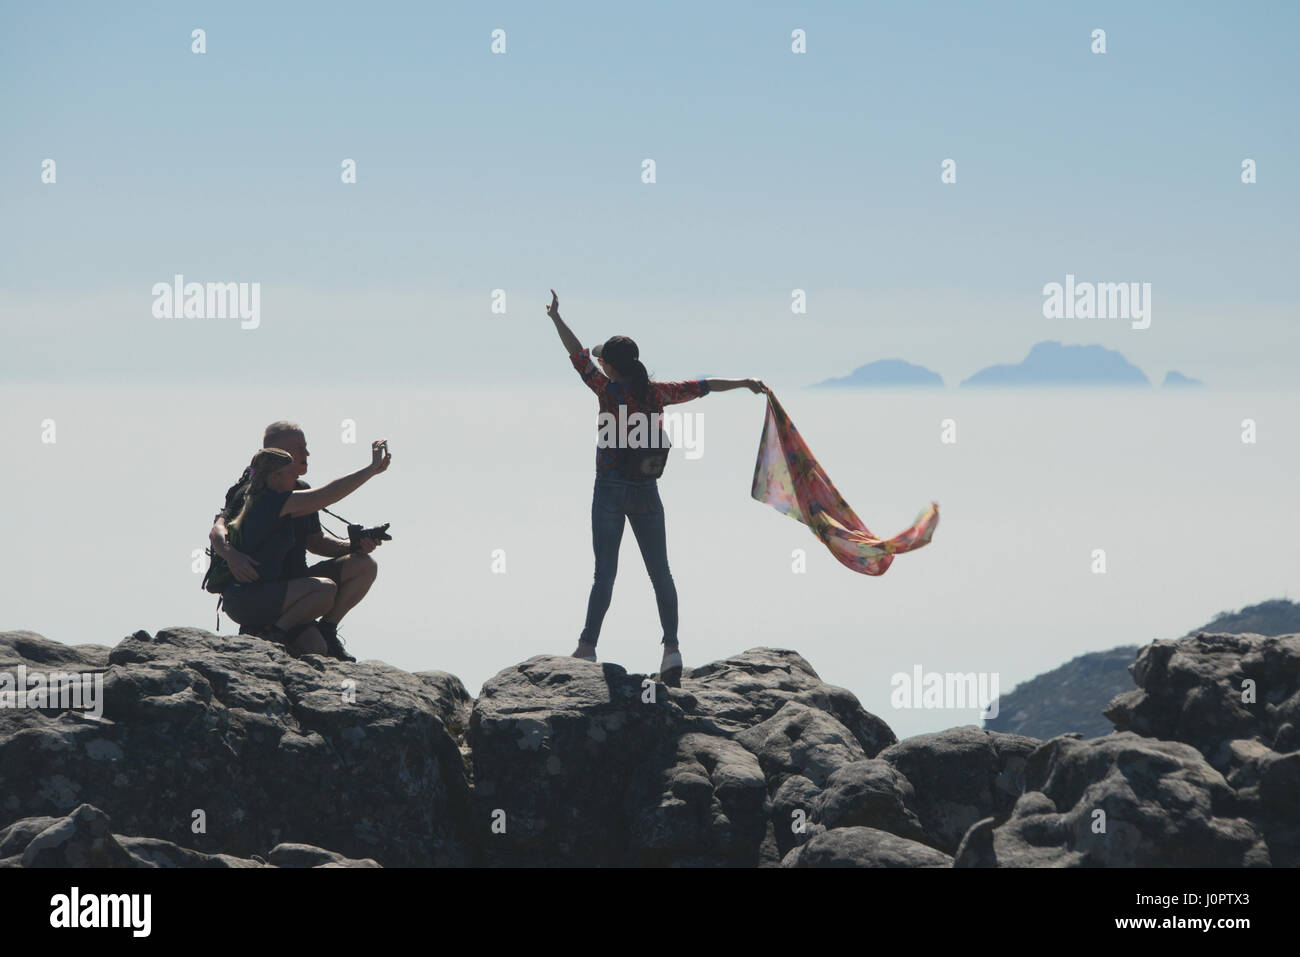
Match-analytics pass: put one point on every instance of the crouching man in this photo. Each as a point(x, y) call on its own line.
point(341, 580)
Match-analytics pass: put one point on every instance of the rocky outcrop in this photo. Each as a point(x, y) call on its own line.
point(1073, 697)
point(84, 838)
point(222, 751)
point(961, 776)
point(226, 745)
point(864, 847)
point(1211, 690)
point(1235, 699)
point(1118, 801)
point(557, 743)
point(1203, 768)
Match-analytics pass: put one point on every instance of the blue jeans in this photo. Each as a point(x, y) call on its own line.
point(612, 500)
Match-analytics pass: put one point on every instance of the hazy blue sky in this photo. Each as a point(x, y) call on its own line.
point(521, 171)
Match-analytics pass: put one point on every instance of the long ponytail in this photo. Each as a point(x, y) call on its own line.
point(638, 380)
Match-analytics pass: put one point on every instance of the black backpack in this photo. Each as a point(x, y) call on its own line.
point(644, 464)
point(218, 576)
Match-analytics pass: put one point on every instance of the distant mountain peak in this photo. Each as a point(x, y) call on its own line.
point(885, 373)
point(1053, 363)
point(1177, 379)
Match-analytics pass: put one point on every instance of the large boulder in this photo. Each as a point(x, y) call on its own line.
point(819, 776)
point(85, 838)
point(871, 793)
point(959, 776)
point(863, 847)
point(1118, 801)
point(708, 807)
point(1212, 689)
point(1236, 699)
point(226, 744)
point(801, 740)
point(745, 689)
point(577, 762)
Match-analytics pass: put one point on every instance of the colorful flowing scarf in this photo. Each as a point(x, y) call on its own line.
point(787, 477)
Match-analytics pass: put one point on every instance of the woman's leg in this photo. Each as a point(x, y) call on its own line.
point(606, 536)
point(304, 600)
point(647, 521)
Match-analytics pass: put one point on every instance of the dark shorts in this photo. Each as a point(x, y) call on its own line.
point(331, 568)
point(254, 604)
point(258, 604)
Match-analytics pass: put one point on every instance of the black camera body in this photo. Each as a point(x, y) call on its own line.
point(357, 532)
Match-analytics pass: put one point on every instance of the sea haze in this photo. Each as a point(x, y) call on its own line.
point(103, 523)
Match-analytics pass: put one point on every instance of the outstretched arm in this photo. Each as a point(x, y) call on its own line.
point(723, 385)
point(571, 343)
point(305, 501)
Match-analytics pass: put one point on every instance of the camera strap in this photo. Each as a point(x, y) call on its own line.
point(339, 517)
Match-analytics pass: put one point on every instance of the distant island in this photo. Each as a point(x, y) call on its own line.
point(1047, 364)
point(1051, 363)
point(885, 373)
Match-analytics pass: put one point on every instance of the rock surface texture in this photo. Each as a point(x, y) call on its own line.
point(207, 750)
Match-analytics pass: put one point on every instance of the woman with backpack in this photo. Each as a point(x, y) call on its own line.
point(282, 610)
point(626, 477)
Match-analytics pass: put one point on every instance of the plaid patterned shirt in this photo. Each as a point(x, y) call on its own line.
point(612, 394)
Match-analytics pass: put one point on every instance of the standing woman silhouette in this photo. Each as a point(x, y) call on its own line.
point(622, 380)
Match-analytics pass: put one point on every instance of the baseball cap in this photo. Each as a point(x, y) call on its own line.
point(616, 350)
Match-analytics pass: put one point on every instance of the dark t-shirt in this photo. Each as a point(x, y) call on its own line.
point(303, 526)
point(265, 535)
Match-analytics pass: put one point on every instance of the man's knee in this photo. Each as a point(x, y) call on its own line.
point(367, 567)
point(358, 567)
point(322, 592)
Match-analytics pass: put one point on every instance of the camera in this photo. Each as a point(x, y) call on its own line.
point(379, 533)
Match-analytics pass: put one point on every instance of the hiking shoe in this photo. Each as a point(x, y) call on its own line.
point(274, 634)
point(670, 669)
point(333, 643)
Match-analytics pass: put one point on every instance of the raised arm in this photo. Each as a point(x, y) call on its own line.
point(571, 343)
point(306, 501)
point(723, 385)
